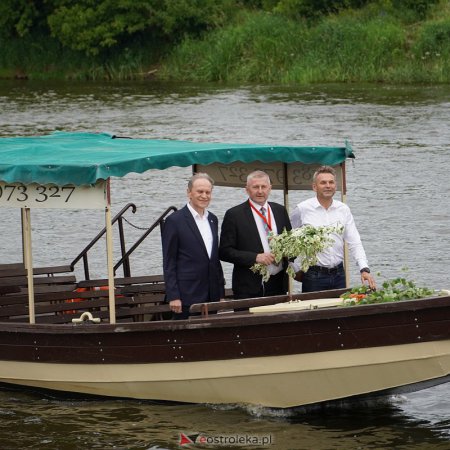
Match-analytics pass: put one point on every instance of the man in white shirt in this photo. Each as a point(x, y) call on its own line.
point(323, 210)
point(190, 242)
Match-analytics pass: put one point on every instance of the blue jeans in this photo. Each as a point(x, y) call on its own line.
point(316, 280)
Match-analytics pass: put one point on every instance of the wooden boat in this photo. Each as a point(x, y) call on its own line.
point(64, 334)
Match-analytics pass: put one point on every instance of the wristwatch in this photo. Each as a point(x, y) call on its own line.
point(365, 269)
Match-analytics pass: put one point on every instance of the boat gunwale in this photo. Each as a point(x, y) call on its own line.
point(233, 319)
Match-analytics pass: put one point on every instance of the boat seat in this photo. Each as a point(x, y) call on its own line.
point(60, 304)
point(15, 275)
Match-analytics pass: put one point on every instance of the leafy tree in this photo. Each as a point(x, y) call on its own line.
point(20, 17)
point(92, 26)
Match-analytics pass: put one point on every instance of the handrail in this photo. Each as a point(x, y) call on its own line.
point(84, 252)
point(125, 257)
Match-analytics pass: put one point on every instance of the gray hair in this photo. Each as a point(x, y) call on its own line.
point(258, 174)
point(323, 169)
point(199, 176)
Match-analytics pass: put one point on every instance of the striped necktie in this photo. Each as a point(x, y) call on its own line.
point(266, 226)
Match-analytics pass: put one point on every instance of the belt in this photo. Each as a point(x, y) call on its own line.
point(327, 270)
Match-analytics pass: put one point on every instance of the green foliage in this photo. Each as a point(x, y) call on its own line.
point(20, 17)
point(265, 47)
point(260, 47)
point(313, 9)
point(420, 8)
point(304, 243)
point(392, 291)
point(347, 49)
point(91, 26)
point(269, 41)
point(433, 37)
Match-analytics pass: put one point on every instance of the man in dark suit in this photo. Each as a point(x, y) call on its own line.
point(192, 270)
point(244, 240)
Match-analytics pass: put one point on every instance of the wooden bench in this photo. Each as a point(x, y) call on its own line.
point(60, 303)
point(15, 275)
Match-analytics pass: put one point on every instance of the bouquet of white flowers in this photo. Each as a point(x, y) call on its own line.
point(305, 242)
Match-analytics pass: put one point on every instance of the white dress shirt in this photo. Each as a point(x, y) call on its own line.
point(204, 228)
point(311, 212)
point(273, 268)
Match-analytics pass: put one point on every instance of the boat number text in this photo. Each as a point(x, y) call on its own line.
point(42, 193)
point(69, 196)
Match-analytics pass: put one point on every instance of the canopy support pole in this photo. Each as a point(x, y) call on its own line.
point(28, 260)
point(344, 200)
point(109, 256)
point(286, 205)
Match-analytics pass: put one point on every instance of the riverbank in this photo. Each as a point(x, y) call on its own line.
point(372, 44)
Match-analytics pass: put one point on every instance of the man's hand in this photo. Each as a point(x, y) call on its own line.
point(370, 280)
point(175, 306)
point(265, 258)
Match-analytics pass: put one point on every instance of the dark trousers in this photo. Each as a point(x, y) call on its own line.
point(321, 279)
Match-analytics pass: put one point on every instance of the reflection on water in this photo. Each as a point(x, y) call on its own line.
point(60, 422)
point(397, 189)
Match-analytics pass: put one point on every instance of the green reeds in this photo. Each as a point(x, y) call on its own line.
point(351, 47)
point(372, 44)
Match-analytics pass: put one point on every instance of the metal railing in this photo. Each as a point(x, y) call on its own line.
point(125, 255)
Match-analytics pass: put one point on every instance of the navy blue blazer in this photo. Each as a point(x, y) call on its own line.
point(240, 243)
point(189, 273)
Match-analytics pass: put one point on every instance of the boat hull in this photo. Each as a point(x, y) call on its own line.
point(277, 360)
point(279, 381)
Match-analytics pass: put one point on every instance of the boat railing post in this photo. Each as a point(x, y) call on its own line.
point(109, 256)
point(344, 200)
point(125, 258)
point(28, 260)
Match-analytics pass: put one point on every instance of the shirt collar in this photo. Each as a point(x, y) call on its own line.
point(195, 214)
point(257, 206)
point(317, 204)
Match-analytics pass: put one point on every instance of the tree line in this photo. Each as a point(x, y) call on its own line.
point(94, 27)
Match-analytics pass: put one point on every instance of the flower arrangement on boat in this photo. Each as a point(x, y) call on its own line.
point(392, 291)
point(305, 242)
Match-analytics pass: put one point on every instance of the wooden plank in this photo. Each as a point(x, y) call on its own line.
point(262, 301)
point(55, 279)
point(51, 270)
point(12, 266)
point(123, 281)
point(51, 297)
point(9, 289)
point(41, 289)
point(11, 273)
point(144, 288)
point(62, 312)
point(22, 280)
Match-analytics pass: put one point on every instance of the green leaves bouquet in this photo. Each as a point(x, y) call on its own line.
point(305, 242)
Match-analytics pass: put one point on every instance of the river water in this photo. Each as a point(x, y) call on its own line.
point(397, 190)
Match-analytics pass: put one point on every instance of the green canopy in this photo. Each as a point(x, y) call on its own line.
point(83, 158)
